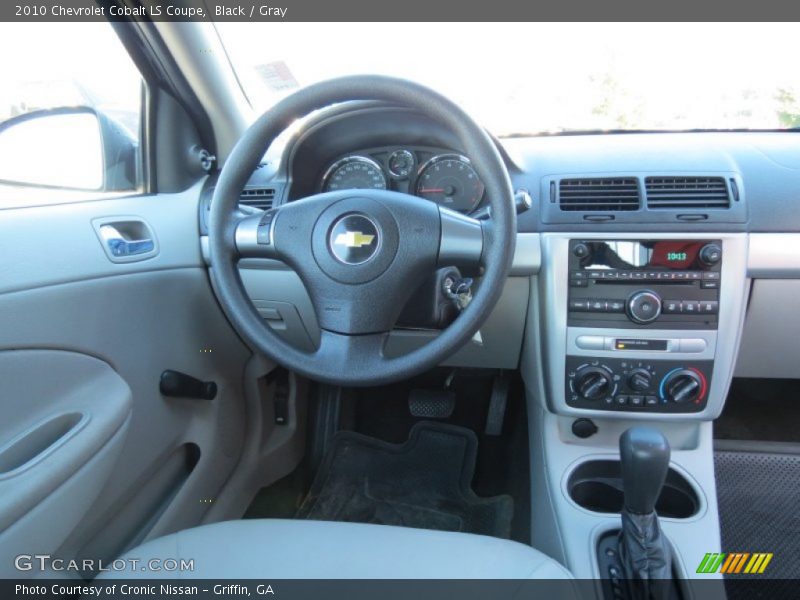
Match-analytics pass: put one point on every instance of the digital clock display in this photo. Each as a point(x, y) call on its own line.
point(677, 256)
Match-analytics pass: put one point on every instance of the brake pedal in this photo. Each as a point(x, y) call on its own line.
point(431, 404)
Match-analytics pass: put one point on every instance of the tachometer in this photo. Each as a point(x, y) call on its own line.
point(354, 172)
point(449, 180)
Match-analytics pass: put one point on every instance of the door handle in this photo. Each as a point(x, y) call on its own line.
point(126, 239)
point(119, 245)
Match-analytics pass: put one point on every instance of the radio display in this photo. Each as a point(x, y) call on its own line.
point(642, 254)
point(676, 256)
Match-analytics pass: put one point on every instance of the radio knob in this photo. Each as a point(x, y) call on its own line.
point(580, 250)
point(710, 254)
point(683, 386)
point(639, 380)
point(593, 383)
point(644, 306)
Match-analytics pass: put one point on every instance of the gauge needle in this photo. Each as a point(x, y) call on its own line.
point(431, 190)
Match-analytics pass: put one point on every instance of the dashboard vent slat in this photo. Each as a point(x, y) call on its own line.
point(605, 193)
point(262, 198)
point(687, 192)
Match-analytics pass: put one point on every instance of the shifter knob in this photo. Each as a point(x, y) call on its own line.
point(644, 453)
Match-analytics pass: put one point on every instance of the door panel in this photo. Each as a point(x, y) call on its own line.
point(52, 427)
point(95, 335)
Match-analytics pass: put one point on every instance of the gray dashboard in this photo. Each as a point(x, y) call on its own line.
point(766, 166)
point(744, 186)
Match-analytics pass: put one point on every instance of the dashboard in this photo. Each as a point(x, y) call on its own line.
point(436, 174)
point(646, 260)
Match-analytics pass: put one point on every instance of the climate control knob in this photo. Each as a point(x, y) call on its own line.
point(644, 306)
point(639, 380)
point(593, 383)
point(683, 385)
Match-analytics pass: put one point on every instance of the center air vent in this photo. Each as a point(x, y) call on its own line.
point(687, 192)
point(606, 194)
point(262, 198)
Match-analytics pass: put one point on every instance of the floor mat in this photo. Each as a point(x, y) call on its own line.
point(758, 495)
point(423, 483)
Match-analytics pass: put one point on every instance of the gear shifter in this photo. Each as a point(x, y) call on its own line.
point(644, 551)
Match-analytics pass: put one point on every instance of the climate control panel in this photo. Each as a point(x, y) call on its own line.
point(664, 386)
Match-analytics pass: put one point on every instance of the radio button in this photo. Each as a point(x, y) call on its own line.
point(695, 275)
point(637, 275)
point(595, 274)
point(597, 305)
point(615, 306)
point(578, 283)
point(611, 275)
point(671, 307)
point(578, 274)
point(711, 275)
point(709, 307)
point(624, 275)
point(579, 305)
point(709, 285)
point(690, 307)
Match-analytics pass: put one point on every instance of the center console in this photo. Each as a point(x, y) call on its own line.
point(626, 286)
point(630, 329)
point(643, 325)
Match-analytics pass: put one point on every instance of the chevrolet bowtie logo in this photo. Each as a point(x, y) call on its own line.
point(353, 239)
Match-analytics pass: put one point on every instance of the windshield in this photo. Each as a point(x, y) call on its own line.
point(526, 78)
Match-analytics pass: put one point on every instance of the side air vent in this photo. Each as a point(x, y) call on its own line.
point(687, 192)
point(606, 194)
point(262, 198)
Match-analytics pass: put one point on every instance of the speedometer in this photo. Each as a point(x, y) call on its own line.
point(449, 180)
point(354, 172)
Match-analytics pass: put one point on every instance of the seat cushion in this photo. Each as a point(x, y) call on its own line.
point(295, 549)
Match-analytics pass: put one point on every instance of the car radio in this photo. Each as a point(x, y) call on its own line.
point(640, 284)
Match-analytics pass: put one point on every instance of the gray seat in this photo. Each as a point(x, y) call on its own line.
point(294, 549)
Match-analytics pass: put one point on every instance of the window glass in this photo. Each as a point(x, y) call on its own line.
point(70, 112)
point(530, 78)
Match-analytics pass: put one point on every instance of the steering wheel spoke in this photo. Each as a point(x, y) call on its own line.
point(460, 239)
point(351, 353)
point(255, 235)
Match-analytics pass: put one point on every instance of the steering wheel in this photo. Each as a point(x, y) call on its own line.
point(360, 253)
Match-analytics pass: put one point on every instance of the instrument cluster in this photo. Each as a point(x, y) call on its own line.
point(438, 175)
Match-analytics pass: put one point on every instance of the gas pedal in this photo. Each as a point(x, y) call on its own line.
point(496, 414)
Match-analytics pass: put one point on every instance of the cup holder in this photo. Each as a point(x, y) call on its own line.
point(596, 485)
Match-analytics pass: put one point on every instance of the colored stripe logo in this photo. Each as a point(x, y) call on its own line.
point(735, 562)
